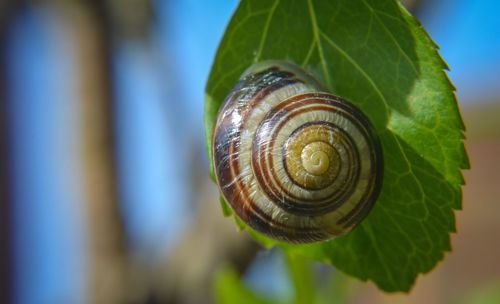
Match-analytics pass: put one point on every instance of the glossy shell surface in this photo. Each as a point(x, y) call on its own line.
point(293, 161)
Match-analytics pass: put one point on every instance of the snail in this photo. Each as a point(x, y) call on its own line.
point(293, 161)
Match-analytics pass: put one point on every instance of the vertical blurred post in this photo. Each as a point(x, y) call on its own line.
point(6, 10)
point(108, 275)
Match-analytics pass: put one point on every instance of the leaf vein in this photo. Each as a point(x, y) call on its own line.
point(265, 31)
point(375, 13)
point(316, 33)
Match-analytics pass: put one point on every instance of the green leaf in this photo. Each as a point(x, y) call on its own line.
point(375, 54)
point(226, 209)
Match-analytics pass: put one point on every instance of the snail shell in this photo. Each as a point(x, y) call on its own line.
point(294, 162)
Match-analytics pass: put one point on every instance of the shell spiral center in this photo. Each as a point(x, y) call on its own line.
point(315, 159)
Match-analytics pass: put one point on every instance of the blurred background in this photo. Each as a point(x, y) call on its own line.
point(104, 191)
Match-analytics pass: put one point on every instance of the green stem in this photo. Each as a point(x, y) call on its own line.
point(302, 279)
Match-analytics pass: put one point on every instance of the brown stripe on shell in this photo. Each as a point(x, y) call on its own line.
point(235, 192)
point(240, 200)
point(287, 107)
point(289, 201)
point(248, 93)
point(360, 212)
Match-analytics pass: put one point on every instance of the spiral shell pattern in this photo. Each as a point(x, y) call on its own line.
point(294, 162)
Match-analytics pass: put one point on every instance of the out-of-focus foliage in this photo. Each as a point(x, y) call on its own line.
point(311, 285)
point(230, 289)
point(487, 294)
